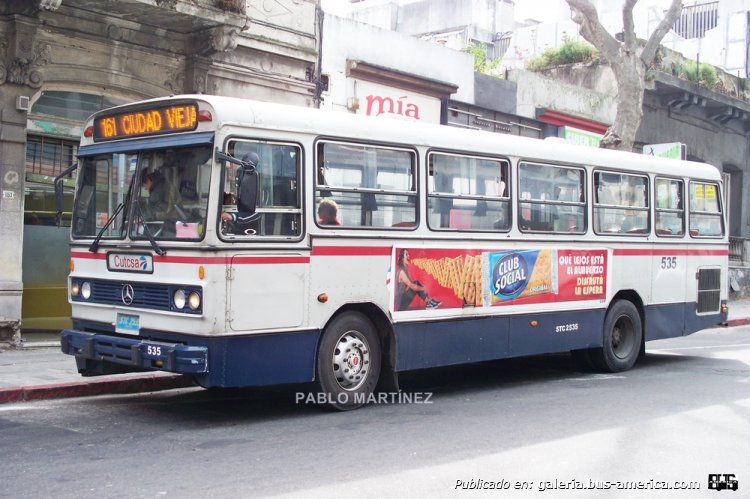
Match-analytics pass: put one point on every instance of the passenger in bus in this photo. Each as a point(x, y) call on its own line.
point(237, 222)
point(162, 197)
point(328, 212)
point(406, 288)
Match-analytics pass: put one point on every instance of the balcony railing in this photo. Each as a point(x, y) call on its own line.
point(737, 250)
point(696, 19)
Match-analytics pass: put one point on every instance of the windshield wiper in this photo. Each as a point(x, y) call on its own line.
point(95, 245)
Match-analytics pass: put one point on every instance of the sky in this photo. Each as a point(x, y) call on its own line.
point(537, 9)
point(525, 9)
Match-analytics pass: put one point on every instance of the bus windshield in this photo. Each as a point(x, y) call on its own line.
point(164, 193)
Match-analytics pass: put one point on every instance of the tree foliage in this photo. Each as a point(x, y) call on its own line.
point(481, 63)
point(629, 61)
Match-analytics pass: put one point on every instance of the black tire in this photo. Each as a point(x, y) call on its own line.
point(622, 338)
point(583, 360)
point(348, 364)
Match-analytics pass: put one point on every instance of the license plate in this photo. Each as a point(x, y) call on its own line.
point(127, 323)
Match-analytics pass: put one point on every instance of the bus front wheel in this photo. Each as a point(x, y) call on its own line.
point(348, 364)
point(623, 334)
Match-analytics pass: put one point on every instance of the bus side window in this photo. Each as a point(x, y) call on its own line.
point(279, 213)
point(621, 203)
point(373, 186)
point(467, 193)
point(669, 208)
point(552, 198)
point(706, 218)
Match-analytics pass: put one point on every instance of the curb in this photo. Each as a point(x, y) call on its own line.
point(132, 384)
point(737, 322)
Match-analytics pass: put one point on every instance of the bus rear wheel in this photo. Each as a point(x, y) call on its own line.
point(623, 334)
point(348, 364)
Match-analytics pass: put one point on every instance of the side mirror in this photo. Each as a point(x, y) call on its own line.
point(59, 192)
point(247, 181)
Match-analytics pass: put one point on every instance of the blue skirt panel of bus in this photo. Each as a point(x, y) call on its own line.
point(228, 361)
point(432, 344)
point(678, 319)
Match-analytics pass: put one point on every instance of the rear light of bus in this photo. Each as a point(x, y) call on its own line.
point(205, 115)
point(89, 131)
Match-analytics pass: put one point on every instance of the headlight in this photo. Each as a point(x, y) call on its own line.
point(194, 300)
point(74, 289)
point(179, 299)
point(86, 290)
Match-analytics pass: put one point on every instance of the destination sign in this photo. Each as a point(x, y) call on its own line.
point(175, 118)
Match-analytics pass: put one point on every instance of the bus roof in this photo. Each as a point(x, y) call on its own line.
point(233, 111)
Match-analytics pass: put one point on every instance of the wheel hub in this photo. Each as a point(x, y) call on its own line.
point(351, 359)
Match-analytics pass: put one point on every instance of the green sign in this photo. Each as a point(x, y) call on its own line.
point(674, 150)
point(581, 137)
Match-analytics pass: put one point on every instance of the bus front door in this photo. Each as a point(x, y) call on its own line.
point(266, 292)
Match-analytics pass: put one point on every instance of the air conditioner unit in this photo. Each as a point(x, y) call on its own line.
point(22, 103)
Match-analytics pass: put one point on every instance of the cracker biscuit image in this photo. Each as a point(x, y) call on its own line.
point(462, 274)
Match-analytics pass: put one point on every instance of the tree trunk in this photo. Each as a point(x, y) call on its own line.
point(629, 72)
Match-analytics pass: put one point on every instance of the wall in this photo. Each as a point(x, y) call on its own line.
point(536, 90)
point(12, 150)
point(391, 50)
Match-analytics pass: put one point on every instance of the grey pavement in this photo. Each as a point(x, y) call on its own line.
point(39, 370)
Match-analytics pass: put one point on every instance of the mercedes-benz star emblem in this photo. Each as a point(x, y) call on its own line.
point(128, 293)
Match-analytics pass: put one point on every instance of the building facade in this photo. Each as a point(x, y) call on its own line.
point(62, 60)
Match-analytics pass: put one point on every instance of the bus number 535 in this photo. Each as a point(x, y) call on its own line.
point(669, 262)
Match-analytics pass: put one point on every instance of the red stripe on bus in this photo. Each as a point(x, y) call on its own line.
point(351, 251)
point(262, 260)
point(657, 252)
point(90, 256)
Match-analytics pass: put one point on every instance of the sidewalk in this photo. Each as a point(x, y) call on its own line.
point(41, 371)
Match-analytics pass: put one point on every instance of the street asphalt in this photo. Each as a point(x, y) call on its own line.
point(39, 370)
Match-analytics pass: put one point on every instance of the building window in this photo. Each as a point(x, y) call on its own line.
point(696, 19)
point(49, 156)
point(73, 106)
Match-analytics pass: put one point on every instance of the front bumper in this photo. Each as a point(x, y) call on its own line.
point(135, 353)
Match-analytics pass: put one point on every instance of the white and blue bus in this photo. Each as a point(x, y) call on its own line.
point(199, 246)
